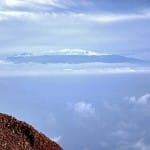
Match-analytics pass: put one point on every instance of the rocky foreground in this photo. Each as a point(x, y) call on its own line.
point(17, 135)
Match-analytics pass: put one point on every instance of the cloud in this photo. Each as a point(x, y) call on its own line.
point(27, 3)
point(112, 17)
point(57, 139)
point(38, 5)
point(56, 3)
point(38, 8)
point(36, 69)
point(20, 15)
point(12, 3)
point(85, 109)
point(144, 100)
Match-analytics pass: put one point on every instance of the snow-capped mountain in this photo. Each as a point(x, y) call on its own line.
point(71, 57)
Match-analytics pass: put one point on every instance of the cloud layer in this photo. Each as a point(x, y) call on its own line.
point(31, 9)
point(82, 17)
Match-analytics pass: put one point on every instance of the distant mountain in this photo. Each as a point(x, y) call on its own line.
point(72, 58)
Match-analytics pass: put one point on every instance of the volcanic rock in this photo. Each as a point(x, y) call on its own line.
point(18, 135)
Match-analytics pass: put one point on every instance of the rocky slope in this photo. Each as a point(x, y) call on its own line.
point(17, 135)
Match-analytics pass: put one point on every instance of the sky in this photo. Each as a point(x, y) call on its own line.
point(111, 26)
point(78, 70)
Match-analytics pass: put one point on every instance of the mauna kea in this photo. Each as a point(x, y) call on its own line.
point(18, 135)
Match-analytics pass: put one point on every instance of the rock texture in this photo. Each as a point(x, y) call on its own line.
point(17, 135)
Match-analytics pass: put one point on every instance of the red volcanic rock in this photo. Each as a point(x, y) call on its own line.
point(17, 135)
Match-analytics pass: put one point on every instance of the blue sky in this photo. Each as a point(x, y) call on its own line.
point(105, 25)
point(103, 105)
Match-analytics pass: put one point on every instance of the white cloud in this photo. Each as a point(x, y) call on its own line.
point(12, 2)
point(106, 18)
point(36, 4)
point(37, 69)
point(57, 139)
point(48, 2)
point(28, 3)
point(55, 3)
point(85, 109)
point(20, 15)
point(144, 100)
point(82, 17)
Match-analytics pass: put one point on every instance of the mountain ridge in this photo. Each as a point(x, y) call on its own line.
point(72, 59)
